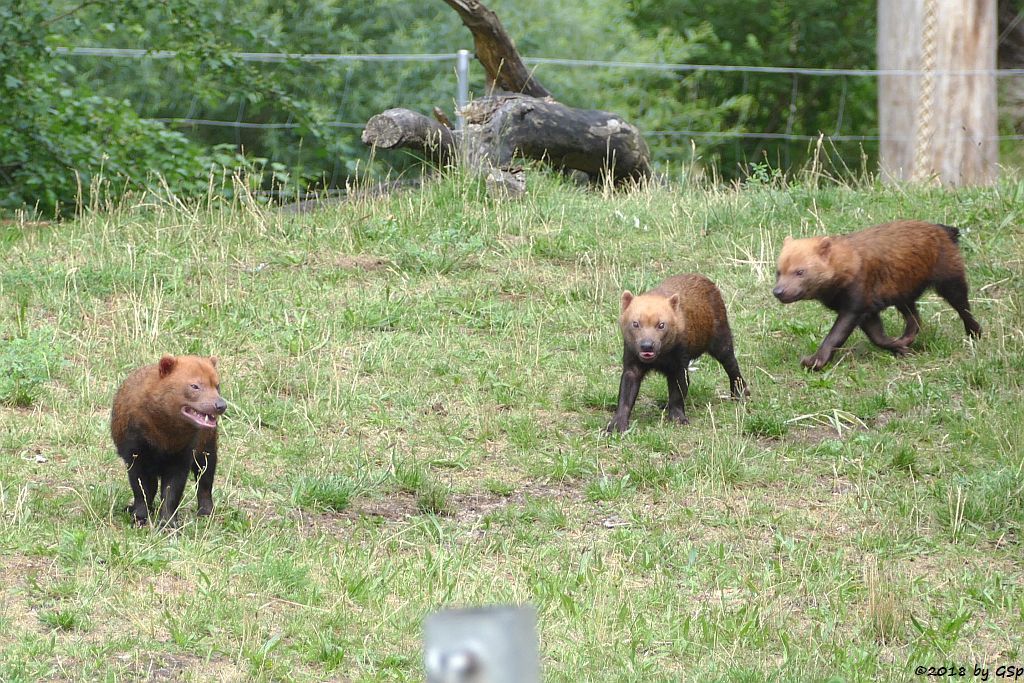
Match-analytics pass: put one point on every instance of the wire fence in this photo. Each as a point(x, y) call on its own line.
point(448, 62)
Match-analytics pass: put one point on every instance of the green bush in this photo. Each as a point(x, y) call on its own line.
point(60, 142)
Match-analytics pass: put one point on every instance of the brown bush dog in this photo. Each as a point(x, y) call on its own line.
point(860, 274)
point(164, 424)
point(663, 330)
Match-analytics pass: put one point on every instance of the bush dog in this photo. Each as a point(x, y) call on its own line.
point(663, 330)
point(164, 424)
point(860, 274)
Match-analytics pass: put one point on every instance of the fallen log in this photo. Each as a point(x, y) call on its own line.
point(396, 128)
point(521, 120)
point(504, 127)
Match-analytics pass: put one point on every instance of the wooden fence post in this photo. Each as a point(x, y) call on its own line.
point(937, 123)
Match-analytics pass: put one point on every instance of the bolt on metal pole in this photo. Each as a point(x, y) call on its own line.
point(482, 645)
point(462, 93)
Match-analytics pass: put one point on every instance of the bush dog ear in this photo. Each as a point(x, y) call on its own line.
point(627, 299)
point(213, 361)
point(673, 301)
point(167, 364)
point(824, 246)
point(787, 239)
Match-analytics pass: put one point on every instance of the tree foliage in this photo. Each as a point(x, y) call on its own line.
point(68, 120)
point(58, 137)
point(811, 34)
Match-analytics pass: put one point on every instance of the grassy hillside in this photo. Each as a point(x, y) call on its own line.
point(418, 386)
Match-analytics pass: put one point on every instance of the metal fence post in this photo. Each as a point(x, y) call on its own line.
point(462, 93)
point(495, 644)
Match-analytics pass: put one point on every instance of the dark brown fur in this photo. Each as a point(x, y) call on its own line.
point(861, 274)
point(157, 438)
point(663, 330)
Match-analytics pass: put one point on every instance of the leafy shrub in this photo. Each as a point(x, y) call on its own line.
point(59, 141)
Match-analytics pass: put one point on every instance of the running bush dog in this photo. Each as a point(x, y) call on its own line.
point(860, 274)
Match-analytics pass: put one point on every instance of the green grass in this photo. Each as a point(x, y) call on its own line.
point(418, 387)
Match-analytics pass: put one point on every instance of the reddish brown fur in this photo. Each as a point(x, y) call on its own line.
point(663, 330)
point(860, 274)
point(158, 440)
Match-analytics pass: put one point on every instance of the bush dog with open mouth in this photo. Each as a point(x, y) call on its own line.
point(164, 424)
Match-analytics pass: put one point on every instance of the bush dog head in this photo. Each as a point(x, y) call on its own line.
point(650, 323)
point(191, 384)
point(805, 269)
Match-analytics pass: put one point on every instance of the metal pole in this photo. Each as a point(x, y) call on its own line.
point(482, 645)
point(462, 94)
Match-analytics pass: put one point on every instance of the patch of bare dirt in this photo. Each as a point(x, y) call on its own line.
point(466, 508)
point(815, 434)
point(15, 568)
point(15, 604)
point(161, 668)
point(471, 507)
point(177, 668)
point(19, 614)
point(395, 507)
point(883, 418)
point(435, 408)
point(364, 263)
